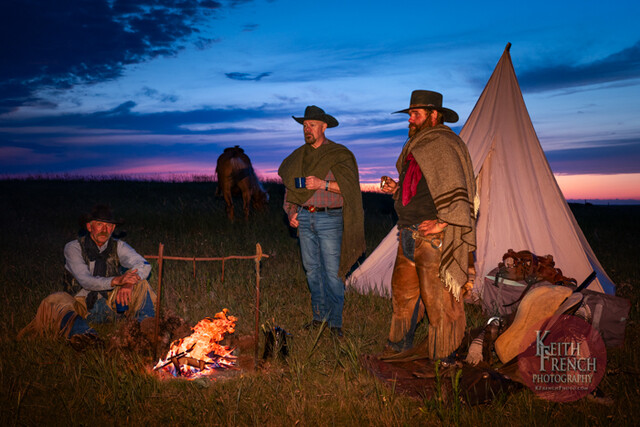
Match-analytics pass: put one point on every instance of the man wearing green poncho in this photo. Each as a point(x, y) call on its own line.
point(323, 201)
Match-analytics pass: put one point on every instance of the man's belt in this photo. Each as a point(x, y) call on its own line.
point(434, 239)
point(319, 208)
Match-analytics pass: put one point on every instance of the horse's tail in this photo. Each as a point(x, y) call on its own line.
point(240, 163)
point(242, 168)
point(216, 178)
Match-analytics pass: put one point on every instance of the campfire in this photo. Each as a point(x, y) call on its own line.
point(201, 353)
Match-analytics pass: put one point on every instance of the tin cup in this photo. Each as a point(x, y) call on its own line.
point(300, 182)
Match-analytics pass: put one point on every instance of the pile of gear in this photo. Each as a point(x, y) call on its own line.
point(486, 361)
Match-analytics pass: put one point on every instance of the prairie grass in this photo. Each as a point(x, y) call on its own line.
point(45, 382)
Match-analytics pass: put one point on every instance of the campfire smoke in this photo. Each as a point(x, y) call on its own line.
point(201, 353)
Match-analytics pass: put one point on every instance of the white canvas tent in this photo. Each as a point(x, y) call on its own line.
point(521, 205)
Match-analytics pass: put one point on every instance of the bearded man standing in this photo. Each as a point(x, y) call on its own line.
point(434, 200)
point(327, 211)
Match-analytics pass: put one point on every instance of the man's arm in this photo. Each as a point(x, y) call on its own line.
point(131, 260)
point(315, 183)
point(292, 211)
point(137, 269)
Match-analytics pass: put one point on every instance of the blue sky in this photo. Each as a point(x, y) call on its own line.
point(95, 87)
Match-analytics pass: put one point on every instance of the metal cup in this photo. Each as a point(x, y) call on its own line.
point(300, 182)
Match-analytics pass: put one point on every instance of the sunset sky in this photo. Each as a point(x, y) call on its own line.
point(159, 88)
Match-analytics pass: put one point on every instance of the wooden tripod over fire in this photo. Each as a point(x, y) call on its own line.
point(161, 257)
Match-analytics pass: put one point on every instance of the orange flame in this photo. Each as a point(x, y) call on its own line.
point(201, 354)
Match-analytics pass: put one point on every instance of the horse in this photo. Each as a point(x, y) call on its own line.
point(236, 175)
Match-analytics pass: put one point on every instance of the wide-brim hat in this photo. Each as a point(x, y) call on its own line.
point(316, 113)
point(101, 213)
point(430, 100)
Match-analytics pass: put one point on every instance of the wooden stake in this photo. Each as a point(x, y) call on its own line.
point(256, 336)
point(158, 301)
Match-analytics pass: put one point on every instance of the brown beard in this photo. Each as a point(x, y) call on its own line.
point(415, 129)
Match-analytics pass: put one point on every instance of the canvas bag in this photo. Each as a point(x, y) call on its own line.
point(608, 314)
point(499, 294)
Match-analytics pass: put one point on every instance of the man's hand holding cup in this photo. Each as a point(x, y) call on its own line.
point(388, 185)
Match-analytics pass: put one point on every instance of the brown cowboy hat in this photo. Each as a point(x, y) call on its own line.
point(430, 100)
point(101, 213)
point(316, 113)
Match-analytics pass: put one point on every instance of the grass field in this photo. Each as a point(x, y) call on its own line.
point(46, 382)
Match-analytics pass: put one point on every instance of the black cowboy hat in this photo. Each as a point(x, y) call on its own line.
point(430, 100)
point(101, 213)
point(316, 113)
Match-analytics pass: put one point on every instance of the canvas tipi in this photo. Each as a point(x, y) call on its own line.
point(521, 205)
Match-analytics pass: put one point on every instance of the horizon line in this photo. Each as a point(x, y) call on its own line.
point(199, 178)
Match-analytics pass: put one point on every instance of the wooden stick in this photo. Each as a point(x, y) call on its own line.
point(258, 257)
point(221, 258)
point(194, 259)
point(158, 301)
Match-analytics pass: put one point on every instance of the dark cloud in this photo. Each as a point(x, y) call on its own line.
point(624, 154)
point(619, 66)
point(124, 108)
point(154, 94)
point(246, 76)
point(203, 43)
point(235, 3)
point(60, 160)
point(210, 4)
point(123, 118)
point(69, 142)
point(52, 44)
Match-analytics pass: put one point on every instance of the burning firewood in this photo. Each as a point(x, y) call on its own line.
point(202, 352)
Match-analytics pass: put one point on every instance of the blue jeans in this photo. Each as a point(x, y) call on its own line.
point(80, 326)
point(101, 313)
point(320, 235)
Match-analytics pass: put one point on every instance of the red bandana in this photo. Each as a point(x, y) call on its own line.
point(411, 179)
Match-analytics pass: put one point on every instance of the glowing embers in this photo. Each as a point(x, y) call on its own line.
point(201, 353)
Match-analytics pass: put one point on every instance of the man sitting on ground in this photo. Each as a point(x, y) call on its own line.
point(106, 275)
